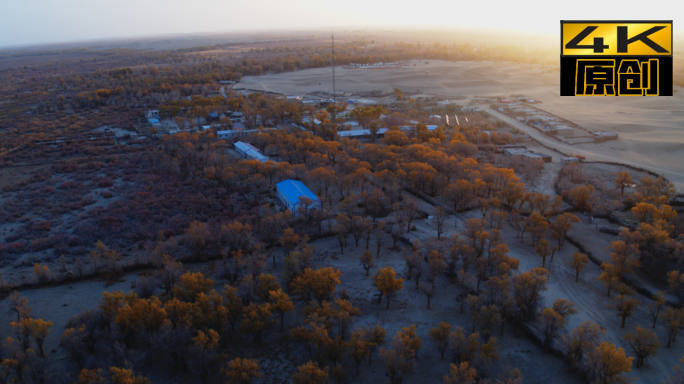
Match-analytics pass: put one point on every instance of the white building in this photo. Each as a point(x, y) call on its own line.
point(362, 133)
point(235, 117)
point(250, 152)
point(152, 113)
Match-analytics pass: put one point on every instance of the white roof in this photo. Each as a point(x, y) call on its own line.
point(360, 132)
point(256, 155)
point(244, 147)
point(307, 119)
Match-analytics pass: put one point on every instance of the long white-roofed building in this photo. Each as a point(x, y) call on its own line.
point(250, 152)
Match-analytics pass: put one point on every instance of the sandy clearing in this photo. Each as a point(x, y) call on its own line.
point(60, 303)
point(410, 307)
point(441, 77)
point(651, 129)
point(589, 294)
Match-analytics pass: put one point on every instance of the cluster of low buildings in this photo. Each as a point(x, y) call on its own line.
point(362, 133)
point(525, 153)
point(394, 64)
point(237, 133)
point(551, 125)
point(600, 137)
point(236, 118)
point(367, 134)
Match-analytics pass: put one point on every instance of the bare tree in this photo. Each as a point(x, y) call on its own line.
point(440, 219)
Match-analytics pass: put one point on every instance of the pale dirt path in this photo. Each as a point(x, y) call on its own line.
point(59, 304)
point(676, 177)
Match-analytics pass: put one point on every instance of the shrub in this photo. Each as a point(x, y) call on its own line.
point(104, 183)
point(69, 185)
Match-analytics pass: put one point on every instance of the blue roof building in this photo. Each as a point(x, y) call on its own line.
point(290, 191)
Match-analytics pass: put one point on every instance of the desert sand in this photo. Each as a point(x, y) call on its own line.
point(651, 129)
point(466, 78)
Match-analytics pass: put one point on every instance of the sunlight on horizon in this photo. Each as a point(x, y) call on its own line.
point(43, 21)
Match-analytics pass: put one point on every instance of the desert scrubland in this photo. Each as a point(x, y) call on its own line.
point(137, 251)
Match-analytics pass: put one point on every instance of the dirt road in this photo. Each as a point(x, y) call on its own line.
point(675, 177)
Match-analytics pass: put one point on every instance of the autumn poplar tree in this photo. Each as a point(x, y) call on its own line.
point(241, 371)
point(265, 283)
point(581, 196)
point(376, 336)
point(578, 261)
point(387, 283)
point(310, 373)
point(190, 285)
point(561, 226)
point(623, 180)
point(256, 319)
point(527, 288)
point(461, 374)
point(440, 336)
point(655, 306)
point(678, 376)
point(624, 304)
point(400, 359)
point(542, 249)
point(38, 329)
point(358, 347)
point(320, 283)
point(609, 363)
point(644, 343)
point(281, 303)
point(581, 340)
point(367, 261)
point(673, 319)
point(623, 260)
point(233, 304)
point(554, 319)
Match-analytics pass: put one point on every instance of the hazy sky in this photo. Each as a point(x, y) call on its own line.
point(46, 21)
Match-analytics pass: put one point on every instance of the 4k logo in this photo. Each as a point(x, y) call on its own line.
point(616, 58)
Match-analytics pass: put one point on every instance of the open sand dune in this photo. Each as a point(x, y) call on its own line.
point(651, 129)
point(439, 77)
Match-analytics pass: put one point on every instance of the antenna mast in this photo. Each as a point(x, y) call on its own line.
point(333, 65)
